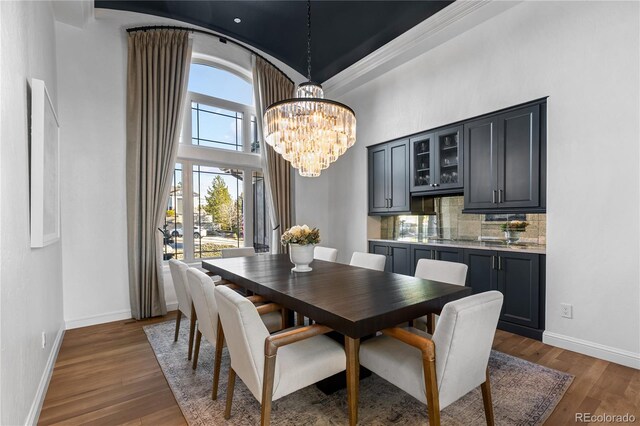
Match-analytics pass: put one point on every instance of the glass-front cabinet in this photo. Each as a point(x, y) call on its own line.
point(436, 161)
point(422, 165)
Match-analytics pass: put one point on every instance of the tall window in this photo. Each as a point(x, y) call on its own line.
point(218, 170)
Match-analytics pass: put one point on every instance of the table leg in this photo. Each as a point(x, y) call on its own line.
point(289, 318)
point(352, 347)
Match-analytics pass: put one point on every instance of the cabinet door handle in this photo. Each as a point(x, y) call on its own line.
point(499, 263)
point(493, 196)
point(500, 196)
point(493, 262)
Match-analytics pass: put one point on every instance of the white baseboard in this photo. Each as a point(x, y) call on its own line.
point(36, 406)
point(98, 319)
point(108, 317)
point(607, 353)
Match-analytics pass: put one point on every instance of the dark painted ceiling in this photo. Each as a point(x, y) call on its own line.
point(343, 32)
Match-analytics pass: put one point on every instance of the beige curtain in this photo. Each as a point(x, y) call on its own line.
point(271, 85)
point(157, 78)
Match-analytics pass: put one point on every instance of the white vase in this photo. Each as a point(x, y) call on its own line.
point(301, 256)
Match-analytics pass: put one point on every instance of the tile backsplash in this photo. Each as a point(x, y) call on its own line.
point(450, 223)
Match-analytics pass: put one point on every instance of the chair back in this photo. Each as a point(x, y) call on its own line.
point(204, 301)
point(245, 334)
point(238, 252)
point(441, 270)
point(325, 253)
point(178, 271)
point(368, 260)
point(463, 340)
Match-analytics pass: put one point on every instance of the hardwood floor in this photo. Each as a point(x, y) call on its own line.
point(107, 374)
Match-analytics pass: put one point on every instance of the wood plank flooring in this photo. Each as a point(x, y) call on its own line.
point(107, 374)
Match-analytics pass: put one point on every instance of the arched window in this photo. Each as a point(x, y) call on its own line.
point(220, 83)
point(218, 165)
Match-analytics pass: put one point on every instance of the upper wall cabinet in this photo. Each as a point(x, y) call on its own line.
point(504, 164)
point(436, 161)
point(389, 178)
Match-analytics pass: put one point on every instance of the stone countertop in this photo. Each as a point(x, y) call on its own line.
point(469, 244)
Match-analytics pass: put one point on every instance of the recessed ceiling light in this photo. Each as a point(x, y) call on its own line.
point(237, 20)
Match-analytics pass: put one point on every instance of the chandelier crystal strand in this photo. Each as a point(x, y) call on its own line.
point(309, 131)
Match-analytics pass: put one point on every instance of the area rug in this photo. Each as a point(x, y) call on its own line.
point(523, 393)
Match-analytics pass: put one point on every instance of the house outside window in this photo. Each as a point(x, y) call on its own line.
point(218, 167)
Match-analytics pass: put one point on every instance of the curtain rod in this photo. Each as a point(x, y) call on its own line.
point(223, 39)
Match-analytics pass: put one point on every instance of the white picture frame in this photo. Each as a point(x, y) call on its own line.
point(45, 167)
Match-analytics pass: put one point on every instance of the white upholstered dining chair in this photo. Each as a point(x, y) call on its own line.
point(443, 271)
point(368, 260)
point(441, 369)
point(273, 366)
point(238, 252)
point(203, 291)
point(325, 253)
point(178, 271)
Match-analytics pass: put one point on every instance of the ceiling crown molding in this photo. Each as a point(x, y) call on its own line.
point(451, 21)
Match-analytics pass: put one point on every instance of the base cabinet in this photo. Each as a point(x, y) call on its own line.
point(449, 254)
point(520, 278)
point(398, 256)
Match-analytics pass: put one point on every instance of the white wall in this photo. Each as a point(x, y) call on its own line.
point(92, 65)
point(31, 279)
point(585, 57)
point(92, 80)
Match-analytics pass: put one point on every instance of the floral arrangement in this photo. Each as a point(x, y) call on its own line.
point(514, 225)
point(302, 235)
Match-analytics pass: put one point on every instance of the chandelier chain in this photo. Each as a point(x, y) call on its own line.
point(309, 40)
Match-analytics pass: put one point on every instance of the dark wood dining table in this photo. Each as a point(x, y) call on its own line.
point(355, 302)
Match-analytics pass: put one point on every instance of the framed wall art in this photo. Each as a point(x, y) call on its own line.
point(45, 168)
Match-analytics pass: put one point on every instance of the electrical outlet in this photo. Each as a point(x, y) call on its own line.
point(566, 310)
point(44, 340)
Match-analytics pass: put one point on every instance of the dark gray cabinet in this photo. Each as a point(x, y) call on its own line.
point(389, 178)
point(520, 278)
point(436, 161)
point(481, 164)
point(398, 256)
point(419, 251)
point(504, 161)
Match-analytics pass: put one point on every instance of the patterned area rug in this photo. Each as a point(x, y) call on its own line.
point(523, 393)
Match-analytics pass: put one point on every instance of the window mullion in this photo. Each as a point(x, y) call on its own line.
point(246, 131)
point(187, 208)
point(247, 208)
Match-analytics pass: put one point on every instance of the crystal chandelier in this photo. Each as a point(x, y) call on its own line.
point(309, 131)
